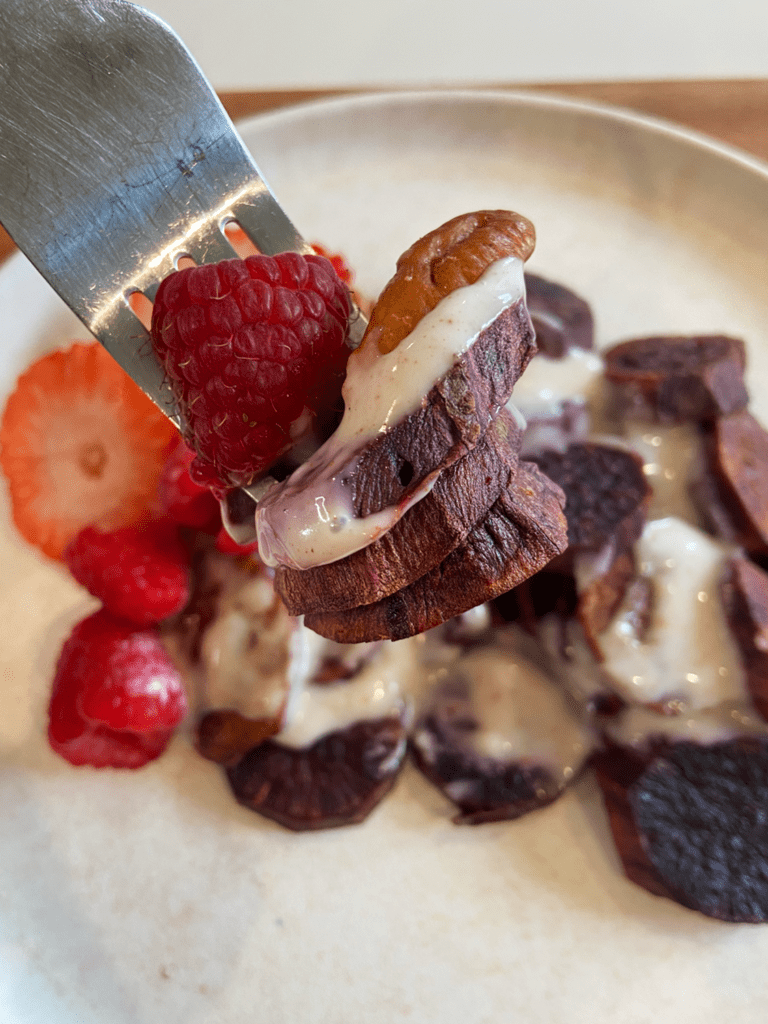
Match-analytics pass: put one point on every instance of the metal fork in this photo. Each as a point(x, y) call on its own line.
point(117, 159)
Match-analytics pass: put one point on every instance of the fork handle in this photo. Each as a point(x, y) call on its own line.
point(116, 155)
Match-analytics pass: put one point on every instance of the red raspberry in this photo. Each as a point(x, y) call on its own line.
point(116, 697)
point(181, 498)
point(140, 573)
point(249, 346)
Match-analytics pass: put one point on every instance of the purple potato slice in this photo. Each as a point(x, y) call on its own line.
point(674, 378)
point(603, 486)
point(520, 534)
point(736, 449)
point(423, 538)
point(498, 737)
point(338, 780)
point(561, 318)
point(744, 591)
point(482, 788)
point(690, 823)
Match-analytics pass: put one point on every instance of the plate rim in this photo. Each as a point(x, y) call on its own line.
point(515, 98)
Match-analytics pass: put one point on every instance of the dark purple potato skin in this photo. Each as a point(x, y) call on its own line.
point(736, 474)
point(561, 318)
point(491, 790)
point(603, 486)
point(336, 781)
point(678, 378)
point(744, 592)
point(690, 823)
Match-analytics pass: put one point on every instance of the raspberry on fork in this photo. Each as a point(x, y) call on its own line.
point(254, 349)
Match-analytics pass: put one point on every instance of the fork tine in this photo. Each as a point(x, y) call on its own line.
point(265, 222)
point(209, 246)
point(206, 244)
point(116, 157)
point(137, 358)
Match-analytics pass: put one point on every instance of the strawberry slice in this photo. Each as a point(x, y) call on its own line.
point(81, 445)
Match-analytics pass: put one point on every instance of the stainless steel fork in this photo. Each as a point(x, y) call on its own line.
point(116, 159)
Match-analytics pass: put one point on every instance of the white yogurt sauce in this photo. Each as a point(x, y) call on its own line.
point(688, 656)
point(522, 716)
point(634, 726)
point(672, 458)
point(556, 434)
point(571, 661)
point(308, 519)
point(548, 383)
point(559, 399)
point(249, 651)
point(378, 690)
point(521, 712)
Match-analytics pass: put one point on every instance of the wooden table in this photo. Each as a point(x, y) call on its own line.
point(734, 111)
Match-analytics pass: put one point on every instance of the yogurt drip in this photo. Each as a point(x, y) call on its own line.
point(521, 715)
point(558, 398)
point(547, 383)
point(689, 655)
point(637, 726)
point(672, 458)
point(309, 520)
point(378, 690)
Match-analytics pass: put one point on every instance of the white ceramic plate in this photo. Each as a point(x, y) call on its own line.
point(151, 897)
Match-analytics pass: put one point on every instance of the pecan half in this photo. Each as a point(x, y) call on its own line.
point(451, 256)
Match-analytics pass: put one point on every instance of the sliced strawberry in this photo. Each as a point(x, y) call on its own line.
point(81, 445)
point(116, 697)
